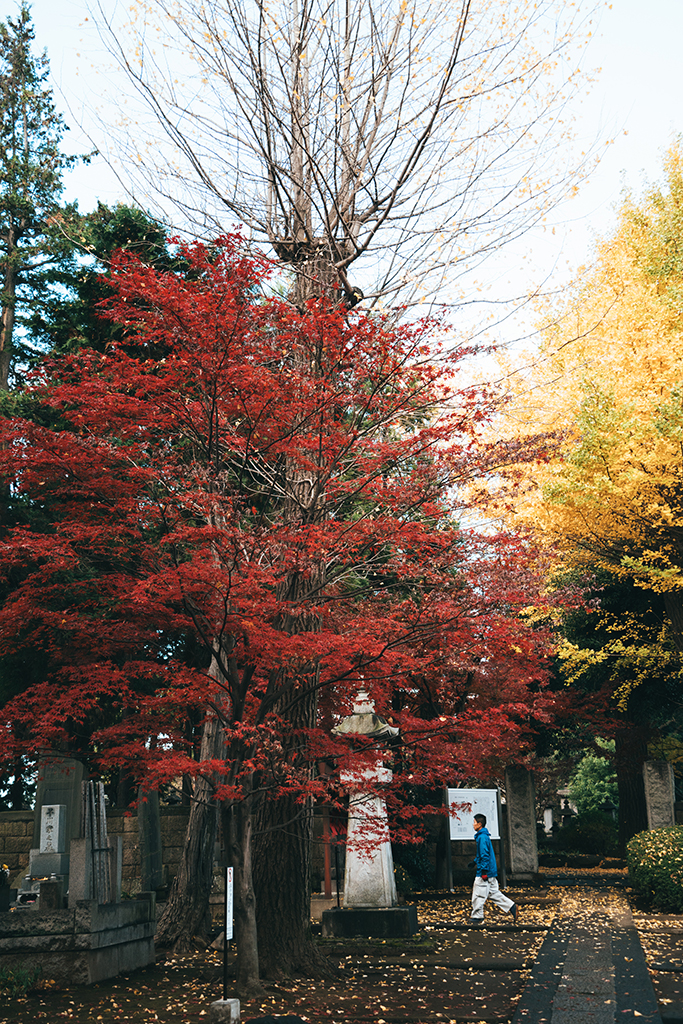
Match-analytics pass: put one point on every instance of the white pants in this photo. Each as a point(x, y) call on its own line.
point(487, 890)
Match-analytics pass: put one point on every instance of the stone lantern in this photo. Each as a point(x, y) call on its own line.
point(370, 900)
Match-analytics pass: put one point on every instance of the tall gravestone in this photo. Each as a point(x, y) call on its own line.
point(59, 782)
point(660, 795)
point(520, 797)
point(149, 832)
point(52, 856)
point(56, 820)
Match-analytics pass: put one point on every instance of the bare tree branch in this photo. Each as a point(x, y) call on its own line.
point(408, 141)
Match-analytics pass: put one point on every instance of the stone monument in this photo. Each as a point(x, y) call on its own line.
point(96, 936)
point(521, 823)
point(56, 821)
point(370, 900)
point(658, 777)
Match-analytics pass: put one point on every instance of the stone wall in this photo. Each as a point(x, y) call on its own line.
point(16, 836)
point(82, 945)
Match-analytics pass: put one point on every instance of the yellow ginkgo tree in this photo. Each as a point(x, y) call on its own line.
point(606, 388)
point(608, 384)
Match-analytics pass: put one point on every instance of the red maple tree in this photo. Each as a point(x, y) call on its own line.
point(238, 515)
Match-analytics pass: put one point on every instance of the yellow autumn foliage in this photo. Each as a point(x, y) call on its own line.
point(608, 381)
point(606, 386)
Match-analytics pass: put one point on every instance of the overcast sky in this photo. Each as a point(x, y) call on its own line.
point(636, 100)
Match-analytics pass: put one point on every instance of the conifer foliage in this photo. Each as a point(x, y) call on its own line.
point(208, 528)
point(31, 166)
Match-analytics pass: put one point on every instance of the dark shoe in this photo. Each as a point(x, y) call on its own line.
point(514, 910)
point(476, 922)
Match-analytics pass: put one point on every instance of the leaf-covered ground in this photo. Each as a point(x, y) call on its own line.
point(449, 972)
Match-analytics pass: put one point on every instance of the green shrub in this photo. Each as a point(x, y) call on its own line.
point(16, 981)
point(594, 780)
point(591, 832)
point(655, 866)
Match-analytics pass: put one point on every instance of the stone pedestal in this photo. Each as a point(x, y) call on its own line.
point(82, 945)
point(521, 825)
point(379, 923)
point(42, 865)
point(658, 777)
point(224, 1010)
point(51, 896)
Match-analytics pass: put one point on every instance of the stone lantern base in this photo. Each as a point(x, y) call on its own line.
point(371, 922)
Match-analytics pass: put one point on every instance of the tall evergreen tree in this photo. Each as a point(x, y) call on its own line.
point(68, 315)
point(31, 167)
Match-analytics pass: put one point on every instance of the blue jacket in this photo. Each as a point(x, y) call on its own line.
point(486, 858)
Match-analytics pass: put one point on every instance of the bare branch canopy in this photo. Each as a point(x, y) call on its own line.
point(407, 138)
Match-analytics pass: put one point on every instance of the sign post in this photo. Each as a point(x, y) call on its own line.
point(463, 804)
point(502, 867)
point(227, 938)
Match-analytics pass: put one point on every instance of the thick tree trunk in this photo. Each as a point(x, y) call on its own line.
point(237, 826)
point(282, 866)
point(187, 913)
point(283, 827)
point(673, 605)
point(6, 345)
point(630, 754)
point(282, 882)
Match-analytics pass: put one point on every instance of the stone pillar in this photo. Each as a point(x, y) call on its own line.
point(369, 875)
point(80, 871)
point(115, 866)
point(521, 824)
point(149, 828)
point(659, 794)
point(228, 1010)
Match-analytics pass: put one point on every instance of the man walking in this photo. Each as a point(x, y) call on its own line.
point(486, 882)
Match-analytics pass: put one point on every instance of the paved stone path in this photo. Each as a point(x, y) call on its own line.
point(590, 969)
point(661, 936)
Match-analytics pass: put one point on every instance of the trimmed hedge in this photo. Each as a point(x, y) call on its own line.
point(655, 867)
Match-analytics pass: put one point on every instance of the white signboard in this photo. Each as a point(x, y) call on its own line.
point(228, 904)
point(465, 803)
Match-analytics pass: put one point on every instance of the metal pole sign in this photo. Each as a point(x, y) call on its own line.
point(228, 928)
point(463, 804)
point(228, 904)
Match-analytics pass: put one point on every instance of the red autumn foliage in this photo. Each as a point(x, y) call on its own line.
point(239, 506)
point(173, 486)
